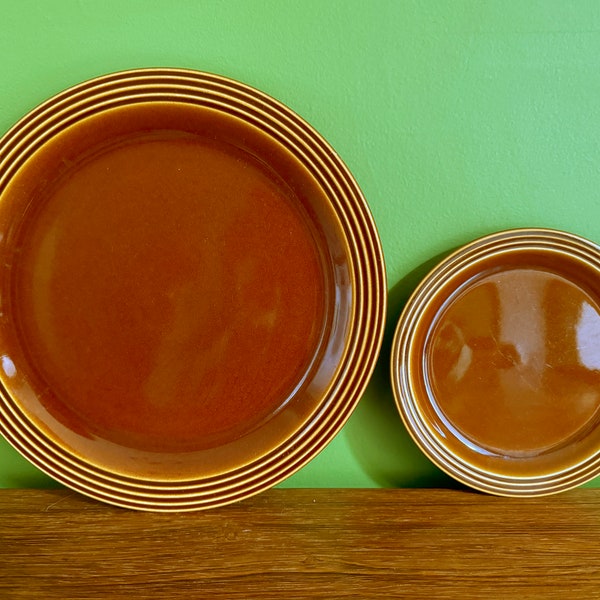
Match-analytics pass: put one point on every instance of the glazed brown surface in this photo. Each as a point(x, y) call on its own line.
point(169, 292)
point(514, 362)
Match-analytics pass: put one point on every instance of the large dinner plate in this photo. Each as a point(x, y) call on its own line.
point(192, 290)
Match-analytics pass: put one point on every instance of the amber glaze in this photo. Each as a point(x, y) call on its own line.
point(192, 290)
point(514, 362)
point(169, 289)
point(496, 367)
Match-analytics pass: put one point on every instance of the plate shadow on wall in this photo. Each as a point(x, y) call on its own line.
point(376, 435)
point(17, 472)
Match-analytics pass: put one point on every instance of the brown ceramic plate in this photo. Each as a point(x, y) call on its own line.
point(193, 290)
point(496, 363)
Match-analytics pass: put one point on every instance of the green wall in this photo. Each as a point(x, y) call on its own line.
point(457, 118)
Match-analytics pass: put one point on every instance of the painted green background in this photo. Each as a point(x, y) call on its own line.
point(457, 118)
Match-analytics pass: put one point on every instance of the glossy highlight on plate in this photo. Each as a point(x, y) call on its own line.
point(496, 363)
point(193, 292)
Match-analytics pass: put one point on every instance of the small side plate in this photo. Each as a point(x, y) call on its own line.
point(496, 363)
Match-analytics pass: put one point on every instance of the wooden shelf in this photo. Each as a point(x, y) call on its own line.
point(325, 543)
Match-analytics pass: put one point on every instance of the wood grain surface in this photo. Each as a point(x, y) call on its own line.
point(304, 544)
